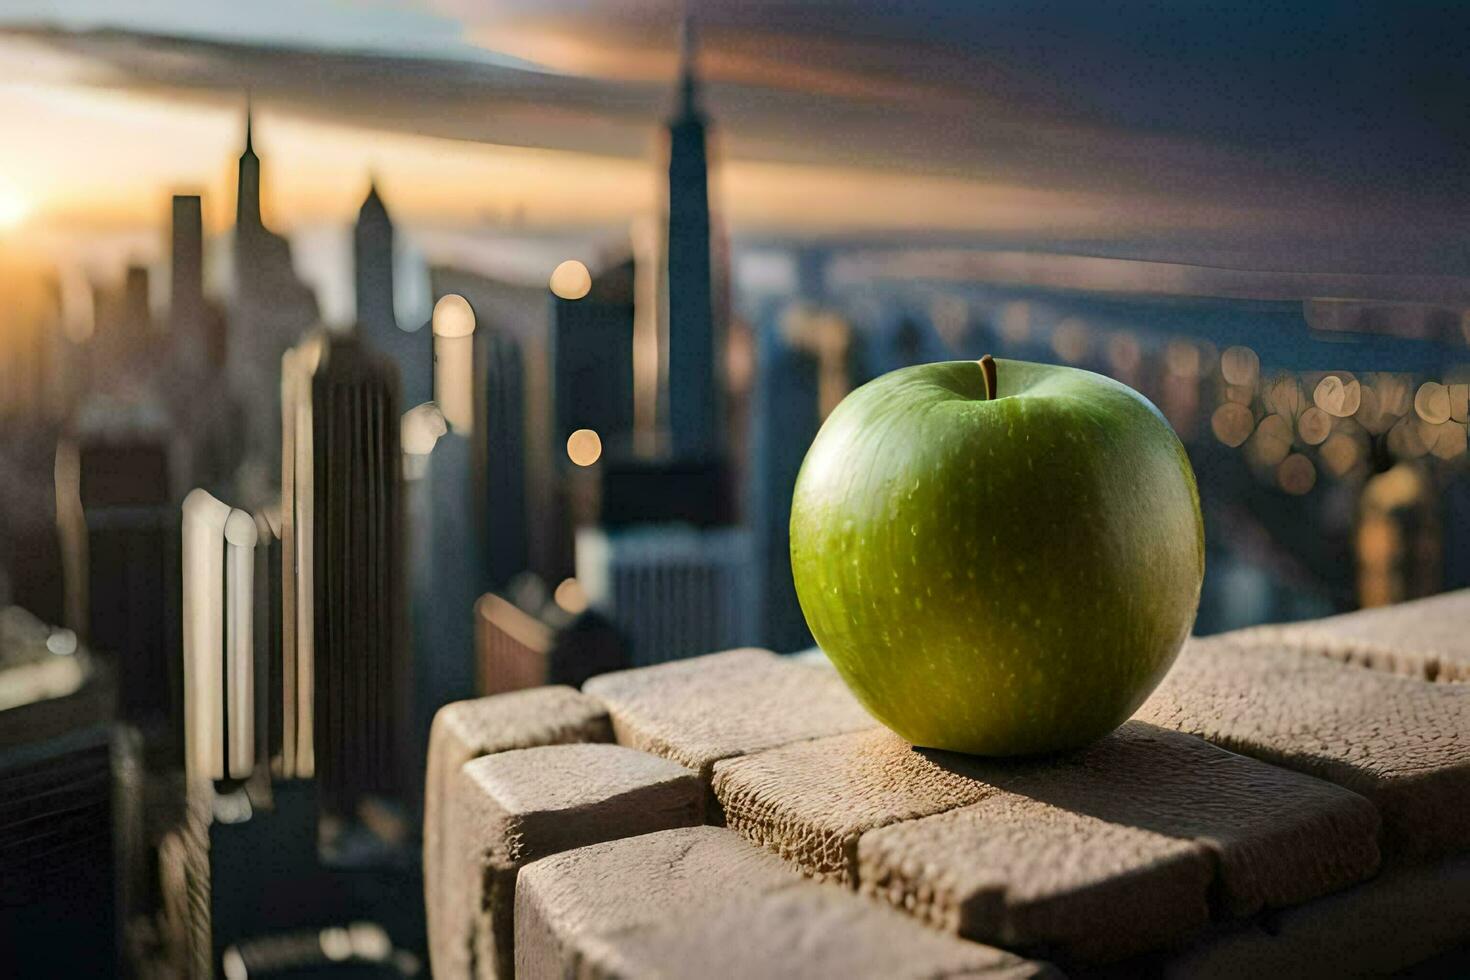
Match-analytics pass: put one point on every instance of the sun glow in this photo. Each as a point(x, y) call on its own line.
point(14, 208)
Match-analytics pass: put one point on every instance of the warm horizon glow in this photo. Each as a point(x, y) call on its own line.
point(14, 208)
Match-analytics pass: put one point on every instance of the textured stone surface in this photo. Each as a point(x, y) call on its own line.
point(1278, 837)
point(809, 802)
point(467, 730)
point(1115, 849)
point(1426, 638)
point(1401, 918)
point(1025, 874)
point(702, 903)
point(619, 885)
point(514, 807)
point(699, 711)
point(1402, 743)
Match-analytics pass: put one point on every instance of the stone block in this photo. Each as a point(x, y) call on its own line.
point(1121, 847)
point(810, 801)
point(513, 807)
point(605, 888)
point(1399, 742)
point(1025, 874)
point(1379, 928)
point(1425, 638)
point(704, 709)
point(702, 903)
point(467, 730)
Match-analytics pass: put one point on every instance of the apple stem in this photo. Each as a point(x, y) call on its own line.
point(987, 368)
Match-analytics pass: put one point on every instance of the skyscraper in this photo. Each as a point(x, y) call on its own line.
point(269, 312)
point(693, 390)
point(784, 422)
point(186, 310)
point(501, 445)
point(247, 196)
point(372, 241)
point(412, 350)
point(592, 360)
point(802, 373)
point(674, 591)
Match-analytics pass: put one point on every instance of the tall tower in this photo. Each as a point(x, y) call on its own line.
point(247, 198)
point(268, 312)
point(693, 391)
point(186, 310)
point(373, 257)
point(412, 350)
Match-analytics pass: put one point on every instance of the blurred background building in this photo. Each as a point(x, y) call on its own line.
point(612, 278)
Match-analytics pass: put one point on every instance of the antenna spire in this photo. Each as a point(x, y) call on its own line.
point(249, 117)
point(688, 77)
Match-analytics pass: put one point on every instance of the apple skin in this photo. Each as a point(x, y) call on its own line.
point(1003, 576)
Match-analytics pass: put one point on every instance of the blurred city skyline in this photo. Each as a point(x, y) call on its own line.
point(1156, 135)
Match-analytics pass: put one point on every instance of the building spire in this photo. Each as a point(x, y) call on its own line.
point(249, 118)
point(693, 381)
point(688, 75)
point(247, 187)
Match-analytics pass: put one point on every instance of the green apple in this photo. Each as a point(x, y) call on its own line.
point(999, 557)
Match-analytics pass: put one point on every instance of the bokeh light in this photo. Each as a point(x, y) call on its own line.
point(1240, 394)
point(1451, 441)
point(1232, 423)
point(1370, 412)
point(1338, 397)
point(1283, 396)
point(571, 280)
point(1296, 474)
point(1395, 395)
point(336, 944)
point(1182, 358)
point(1271, 442)
point(1340, 454)
point(62, 642)
point(1460, 402)
point(1314, 426)
point(1125, 355)
point(1406, 440)
point(570, 596)
point(1432, 402)
point(584, 447)
point(1069, 340)
point(1015, 322)
point(1240, 366)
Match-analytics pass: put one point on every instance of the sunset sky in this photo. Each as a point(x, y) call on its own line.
point(1050, 125)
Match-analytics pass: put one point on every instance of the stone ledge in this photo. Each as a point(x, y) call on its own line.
point(1145, 810)
point(1399, 742)
point(467, 730)
point(620, 885)
point(1403, 917)
point(1123, 847)
point(701, 902)
point(514, 807)
point(1023, 874)
point(701, 710)
point(811, 801)
point(1426, 638)
point(1130, 844)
